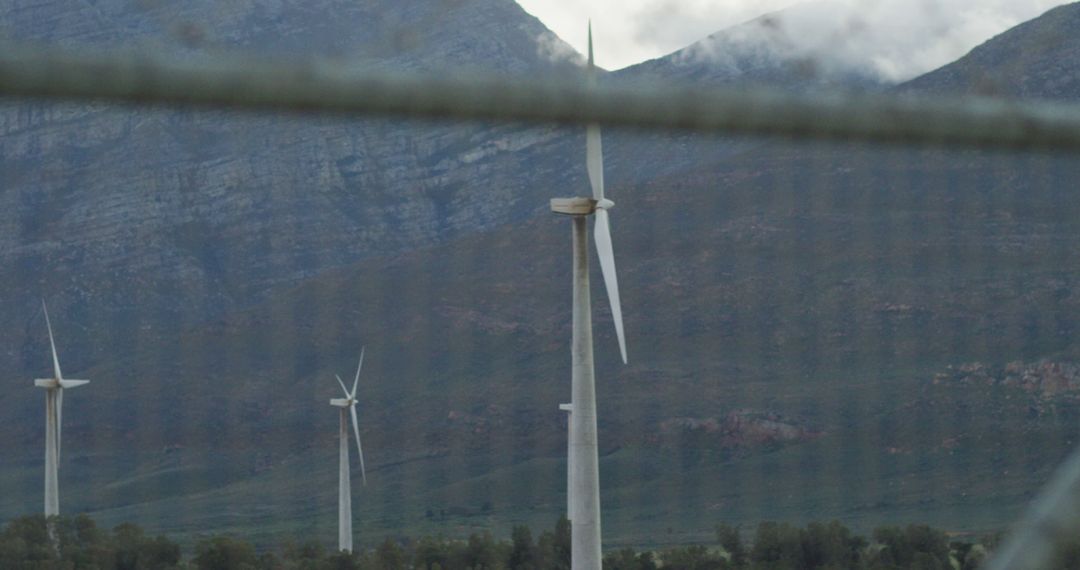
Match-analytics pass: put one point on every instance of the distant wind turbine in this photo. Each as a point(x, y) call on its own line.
point(54, 414)
point(348, 408)
point(583, 459)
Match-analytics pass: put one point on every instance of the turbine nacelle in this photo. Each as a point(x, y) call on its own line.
point(47, 383)
point(342, 402)
point(53, 383)
point(579, 206)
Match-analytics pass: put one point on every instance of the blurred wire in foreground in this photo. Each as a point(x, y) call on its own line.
point(1052, 519)
point(333, 87)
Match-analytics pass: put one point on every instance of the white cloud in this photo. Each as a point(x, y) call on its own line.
point(897, 39)
point(555, 50)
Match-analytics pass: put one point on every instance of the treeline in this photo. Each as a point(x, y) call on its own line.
point(76, 543)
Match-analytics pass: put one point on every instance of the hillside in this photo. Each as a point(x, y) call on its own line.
point(1031, 61)
point(796, 314)
point(194, 213)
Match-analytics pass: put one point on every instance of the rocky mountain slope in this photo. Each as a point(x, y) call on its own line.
point(166, 209)
point(1030, 61)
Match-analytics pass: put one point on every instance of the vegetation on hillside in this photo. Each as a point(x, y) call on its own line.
point(80, 545)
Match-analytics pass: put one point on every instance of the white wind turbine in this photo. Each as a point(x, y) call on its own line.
point(583, 459)
point(348, 408)
point(54, 414)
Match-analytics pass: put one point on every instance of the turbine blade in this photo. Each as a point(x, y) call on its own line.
point(343, 389)
point(357, 380)
point(59, 419)
point(356, 430)
point(606, 254)
point(52, 343)
point(594, 154)
point(594, 160)
point(592, 64)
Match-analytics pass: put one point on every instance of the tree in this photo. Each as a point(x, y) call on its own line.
point(627, 559)
point(389, 556)
point(306, 555)
point(830, 545)
point(24, 543)
point(481, 552)
point(553, 547)
point(730, 540)
point(777, 546)
point(915, 546)
point(133, 550)
point(523, 552)
point(224, 553)
point(341, 560)
point(433, 553)
point(695, 557)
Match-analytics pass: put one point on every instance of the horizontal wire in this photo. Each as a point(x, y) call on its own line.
point(334, 87)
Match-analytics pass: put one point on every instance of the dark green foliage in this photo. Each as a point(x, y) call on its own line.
point(915, 546)
point(389, 556)
point(831, 545)
point(25, 544)
point(628, 559)
point(694, 557)
point(482, 552)
point(824, 546)
point(224, 553)
point(553, 547)
point(341, 561)
point(523, 551)
point(730, 539)
point(135, 551)
point(777, 546)
point(305, 556)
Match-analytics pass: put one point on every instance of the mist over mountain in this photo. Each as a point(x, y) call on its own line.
point(1031, 61)
point(803, 47)
point(787, 305)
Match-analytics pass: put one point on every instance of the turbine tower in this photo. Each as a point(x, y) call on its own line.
point(54, 414)
point(348, 408)
point(583, 459)
point(569, 409)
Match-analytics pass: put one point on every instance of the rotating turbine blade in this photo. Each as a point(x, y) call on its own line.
point(59, 419)
point(594, 153)
point(357, 380)
point(343, 388)
point(604, 251)
point(52, 343)
point(594, 157)
point(356, 430)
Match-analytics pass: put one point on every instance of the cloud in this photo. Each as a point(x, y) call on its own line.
point(552, 48)
point(894, 39)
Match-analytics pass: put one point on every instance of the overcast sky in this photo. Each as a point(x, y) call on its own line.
point(898, 38)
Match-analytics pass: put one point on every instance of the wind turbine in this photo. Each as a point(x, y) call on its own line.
point(348, 408)
point(54, 414)
point(583, 458)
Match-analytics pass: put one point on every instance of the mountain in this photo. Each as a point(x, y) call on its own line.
point(815, 331)
point(163, 210)
point(807, 46)
point(1030, 61)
